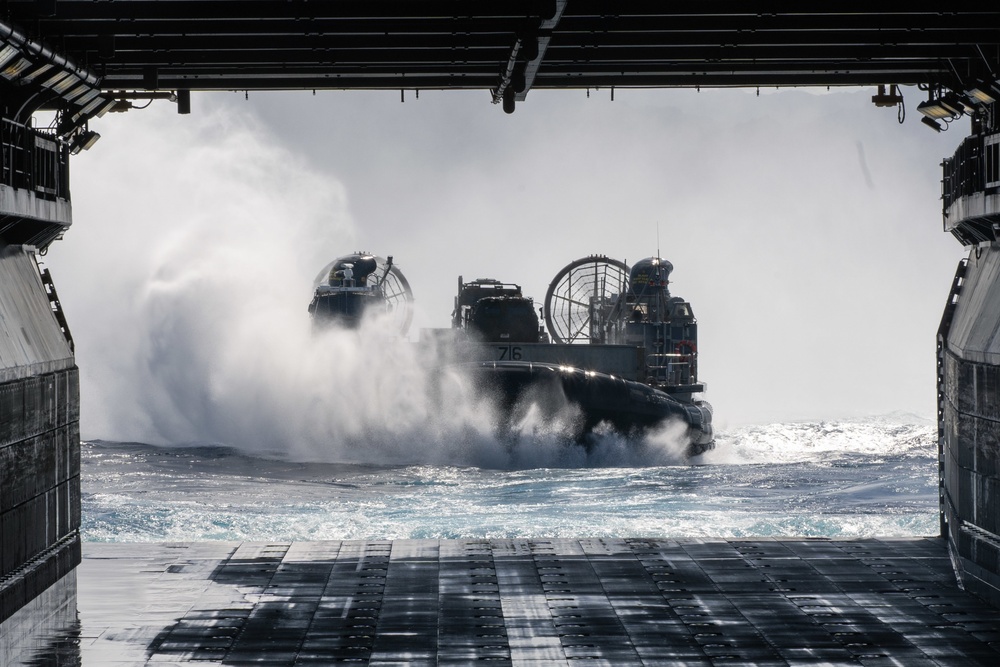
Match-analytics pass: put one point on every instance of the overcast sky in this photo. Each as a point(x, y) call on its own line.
point(804, 228)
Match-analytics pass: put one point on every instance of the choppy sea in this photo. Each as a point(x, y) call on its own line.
point(851, 478)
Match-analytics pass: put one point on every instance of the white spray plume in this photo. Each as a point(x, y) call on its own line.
point(191, 322)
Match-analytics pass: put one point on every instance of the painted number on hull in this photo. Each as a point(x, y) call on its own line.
point(509, 353)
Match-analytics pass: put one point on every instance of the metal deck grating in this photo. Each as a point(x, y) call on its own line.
point(531, 602)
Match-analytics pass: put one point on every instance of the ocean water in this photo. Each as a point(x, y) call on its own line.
point(851, 478)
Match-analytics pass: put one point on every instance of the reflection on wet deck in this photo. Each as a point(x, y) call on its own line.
point(526, 602)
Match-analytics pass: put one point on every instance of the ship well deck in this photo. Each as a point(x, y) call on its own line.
point(524, 602)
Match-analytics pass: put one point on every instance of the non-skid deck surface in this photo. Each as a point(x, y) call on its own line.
point(532, 602)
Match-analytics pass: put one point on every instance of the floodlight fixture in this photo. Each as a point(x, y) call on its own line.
point(38, 71)
point(87, 97)
point(82, 141)
point(931, 123)
point(106, 106)
point(940, 108)
point(66, 84)
point(7, 54)
point(77, 92)
point(984, 92)
point(51, 82)
point(957, 105)
point(92, 106)
point(15, 69)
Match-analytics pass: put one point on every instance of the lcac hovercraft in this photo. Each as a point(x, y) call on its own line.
point(623, 349)
point(354, 285)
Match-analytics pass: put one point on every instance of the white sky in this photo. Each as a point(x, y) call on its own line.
point(805, 228)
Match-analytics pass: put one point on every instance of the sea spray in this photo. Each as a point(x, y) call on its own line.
point(228, 361)
point(165, 291)
point(828, 441)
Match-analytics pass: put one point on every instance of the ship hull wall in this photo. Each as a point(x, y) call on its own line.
point(39, 438)
point(969, 403)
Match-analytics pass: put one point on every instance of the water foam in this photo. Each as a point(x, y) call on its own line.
point(142, 493)
point(878, 437)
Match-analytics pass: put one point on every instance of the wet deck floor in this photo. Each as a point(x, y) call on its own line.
point(525, 602)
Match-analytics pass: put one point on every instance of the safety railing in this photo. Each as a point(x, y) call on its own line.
point(671, 369)
point(944, 328)
point(56, 305)
point(33, 160)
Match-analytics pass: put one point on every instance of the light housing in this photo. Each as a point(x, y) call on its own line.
point(76, 92)
point(15, 68)
point(931, 123)
point(106, 106)
point(7, 54)
point(984, 92)
point(87, 97)
point(90, 107)
point(66, 84)
point(82, 141)
point(40, 72)
point(947, 106)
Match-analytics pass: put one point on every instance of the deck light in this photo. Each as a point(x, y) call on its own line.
point(68, 124)
point(15, 68)
point(947, 106)
point(77, 92)
point(984, 92)
point(931, 123)
point(933, 109)
point(7, 54)
point(36, 72)
point(105, 106)
point(87, 97)
point(61, 81)
point(92, 106)
point(65, 84)
point(97, 107)
point(82, 141)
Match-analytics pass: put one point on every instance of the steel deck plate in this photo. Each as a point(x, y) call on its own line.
point(528, 602)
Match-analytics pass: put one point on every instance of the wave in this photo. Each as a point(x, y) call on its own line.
point(143, 493)
point(892, 435)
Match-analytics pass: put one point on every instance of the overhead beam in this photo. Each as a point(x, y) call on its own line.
point(514, 45)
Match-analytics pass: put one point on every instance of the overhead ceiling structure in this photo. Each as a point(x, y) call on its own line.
point(509, 47)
